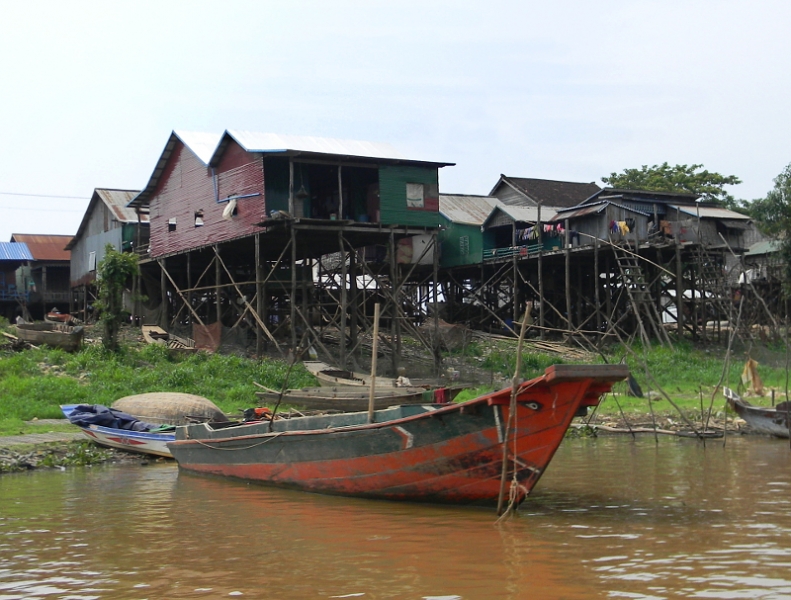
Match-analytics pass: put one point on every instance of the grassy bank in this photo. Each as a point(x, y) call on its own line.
point(34, 382)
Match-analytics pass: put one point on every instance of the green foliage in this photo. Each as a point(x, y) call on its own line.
point(688, 179)
point(533, 363)
point(34, 383)
point(773, 215)
point(115, 270)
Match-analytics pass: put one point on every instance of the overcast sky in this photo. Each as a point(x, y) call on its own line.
point(90, 91)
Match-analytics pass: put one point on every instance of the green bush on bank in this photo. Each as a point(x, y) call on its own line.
point(35, 382)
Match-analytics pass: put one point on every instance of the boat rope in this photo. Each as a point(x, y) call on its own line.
point(510, 424)
point(266, 441)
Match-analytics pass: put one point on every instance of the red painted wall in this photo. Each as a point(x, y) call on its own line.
point(187, 187)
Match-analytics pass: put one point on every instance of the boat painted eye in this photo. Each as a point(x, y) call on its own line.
point(533, 405)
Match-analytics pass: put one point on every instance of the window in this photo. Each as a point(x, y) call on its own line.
point(464, 245)
point(91, 261)
point(172, 224)
point(414, 195)
point(198, 218)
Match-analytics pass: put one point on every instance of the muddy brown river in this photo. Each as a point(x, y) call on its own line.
point(612, 518)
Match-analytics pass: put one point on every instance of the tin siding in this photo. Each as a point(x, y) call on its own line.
point(188, 187)
point(461, 244)
point(392, 189)
point(102, 229)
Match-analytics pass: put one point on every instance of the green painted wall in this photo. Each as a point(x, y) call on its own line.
point(462, 244)
point(393, 197)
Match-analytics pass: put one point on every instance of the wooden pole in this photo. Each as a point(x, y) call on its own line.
point(395, 330)
point(596, 282)
point(354, 298)
point(163, 313)
point(259, 295)
point(372, 391)
point(566, 244)
point(340, 194)
point(344, 295)
point(540, 273)
point(293, 302)
point(436, 345)
point(217, 291)
point(679, 291)
point(291, 187)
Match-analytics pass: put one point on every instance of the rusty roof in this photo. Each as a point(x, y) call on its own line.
point(116, 202)
point(45, 247)
point(468, 209)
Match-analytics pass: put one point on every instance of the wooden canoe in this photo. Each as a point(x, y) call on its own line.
point(350, 399)
point(144, 442)
point(449, 454)
point(329, 376)
point(154, 334)
point(763, 419)
point(55, 335)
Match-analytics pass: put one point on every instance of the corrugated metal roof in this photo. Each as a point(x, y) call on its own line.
point(116, 202)
point(522, 214)
point(472, 210)
point(45, 247)
point(208, 147)
point(767, 247)
point(710, 212)
point(14, 251)
point(201, 143)
point(581, 212)
point(298, 144)
point(590, 209)
point(272, 142)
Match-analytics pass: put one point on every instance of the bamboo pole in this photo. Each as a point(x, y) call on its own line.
point(511, 417)
point(372, 391)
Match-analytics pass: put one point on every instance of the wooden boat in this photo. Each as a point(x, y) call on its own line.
point(448, 454)
point(144, 442)
point(774, 421)
point(153, 334)
point(350, 399)
point(56, 335)
point(58, 317)
point(329, 376)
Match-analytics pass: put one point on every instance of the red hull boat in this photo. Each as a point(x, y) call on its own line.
point(425, 453)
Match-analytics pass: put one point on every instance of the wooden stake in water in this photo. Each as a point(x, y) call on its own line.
point(373, 364)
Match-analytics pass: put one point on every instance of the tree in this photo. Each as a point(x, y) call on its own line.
point(115, 270)
point(688, 179)
point(773, 216)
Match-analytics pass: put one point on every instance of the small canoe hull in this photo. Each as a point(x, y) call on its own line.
point(772, 421)
point(132, 441)
point(152, 334)
point(331, 377)
point(424, 453)
point(55, 335)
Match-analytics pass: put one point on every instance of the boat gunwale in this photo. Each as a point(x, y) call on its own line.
point(591, 375)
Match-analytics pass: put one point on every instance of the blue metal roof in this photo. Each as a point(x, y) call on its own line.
point(14, 251)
